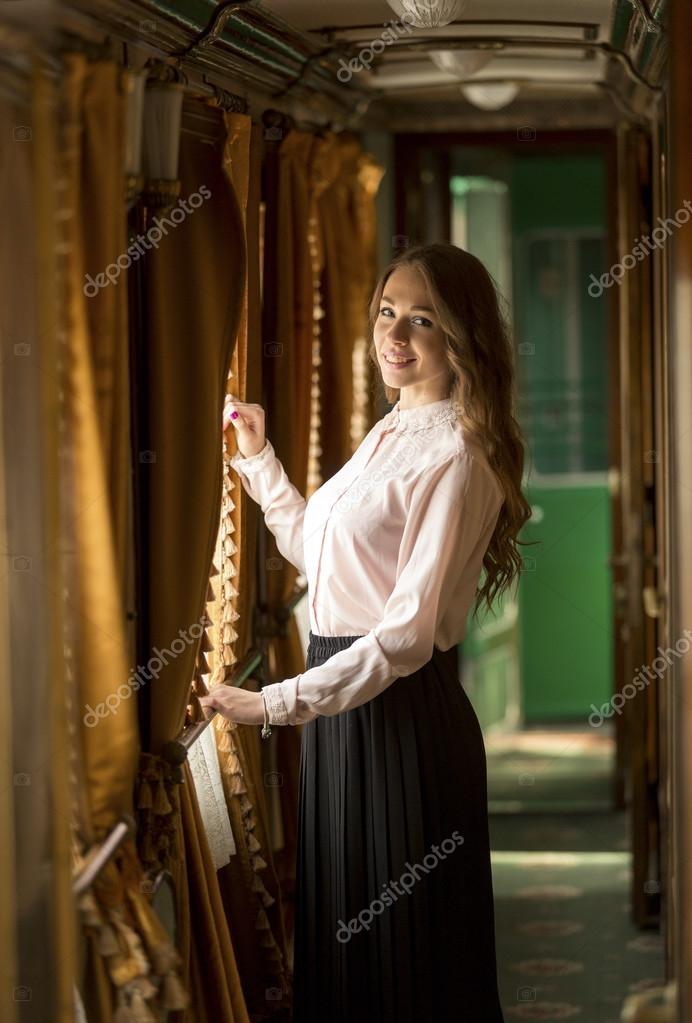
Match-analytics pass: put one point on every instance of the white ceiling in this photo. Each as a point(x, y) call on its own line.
point(544, 72)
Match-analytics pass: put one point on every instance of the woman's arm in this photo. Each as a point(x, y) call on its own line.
point(453, 511)
point(264, 478)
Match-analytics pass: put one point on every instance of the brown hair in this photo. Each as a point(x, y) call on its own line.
point(466, 303)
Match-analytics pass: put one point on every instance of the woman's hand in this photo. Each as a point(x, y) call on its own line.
point(248, 424)
point(239, 705)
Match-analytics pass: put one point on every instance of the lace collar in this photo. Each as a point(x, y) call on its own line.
point(422, 417)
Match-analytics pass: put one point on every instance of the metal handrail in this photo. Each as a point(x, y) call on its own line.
point(175, 752)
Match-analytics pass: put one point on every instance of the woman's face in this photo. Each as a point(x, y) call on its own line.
point(406, 328)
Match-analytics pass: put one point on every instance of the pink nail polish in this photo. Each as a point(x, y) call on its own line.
point(234, 415)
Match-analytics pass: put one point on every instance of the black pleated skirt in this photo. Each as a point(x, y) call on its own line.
point(394, 901)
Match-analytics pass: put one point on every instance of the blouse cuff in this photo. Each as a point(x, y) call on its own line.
point(253, 463)
point(276, 708)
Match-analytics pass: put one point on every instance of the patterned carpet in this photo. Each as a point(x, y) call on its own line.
point(567, 948)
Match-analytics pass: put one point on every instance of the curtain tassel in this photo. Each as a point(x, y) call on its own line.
point(262, 921)
point(174, 994)
point(252, 843)
point(139, 1009)
point(258, 863)
point(107, 942)
point(161, 804)
point(237, 785)
point(145, 801)
point(224, 743)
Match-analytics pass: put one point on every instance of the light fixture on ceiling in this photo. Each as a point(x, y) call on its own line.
point(461, 63)
point(163, 104)
point(490, 95)
point(428, 13)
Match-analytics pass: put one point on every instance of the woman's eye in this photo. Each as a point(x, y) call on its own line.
point(424, 322)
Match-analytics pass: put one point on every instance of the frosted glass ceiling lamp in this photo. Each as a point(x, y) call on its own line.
point(163, 106)
point(428, 13)
point(462, 63)
point(490, 95)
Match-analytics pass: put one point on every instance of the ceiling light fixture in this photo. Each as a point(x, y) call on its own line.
point(490, 95)
point(461, 63)
point(428, 13)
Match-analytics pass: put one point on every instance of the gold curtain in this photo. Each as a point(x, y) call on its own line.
point(248, 882)
point(194, 292)
point(347, 218)
point(131, 965)
point(287, 336)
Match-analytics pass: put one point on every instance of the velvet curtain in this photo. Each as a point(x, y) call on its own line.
point(130, 964)
point(347, 221)
point(248, 883)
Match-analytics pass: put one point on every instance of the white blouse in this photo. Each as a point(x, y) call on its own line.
point(392, 547)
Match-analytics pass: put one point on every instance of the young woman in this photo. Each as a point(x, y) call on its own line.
point(394, 901)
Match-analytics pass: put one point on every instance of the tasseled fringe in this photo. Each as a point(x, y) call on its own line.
point(236, 785)
point(229, 548)
point(224, 744)
point(262, 922)
point(252, 843)
point(229, 590)
point(174, 996)
point(258, 863)
point(139, 1011)
point(267, 940)
point(229, 570)
point(267, 899)
point(161, 803)
point(144, 800)
point(228, 523)
point(233, 765)
point(245, 806)
point(211, 594)
point(229, 634)
point(256, 885)
point(107, 941)
point(229, 614)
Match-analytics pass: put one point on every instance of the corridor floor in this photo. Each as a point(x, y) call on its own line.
point(567, 948)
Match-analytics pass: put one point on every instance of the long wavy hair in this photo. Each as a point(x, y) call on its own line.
point(467, 306)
